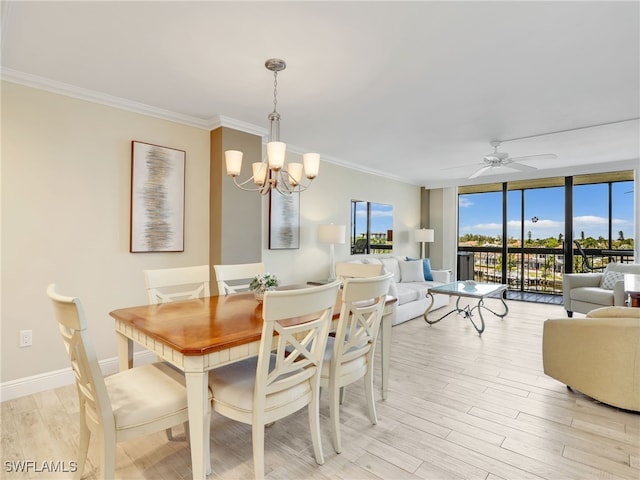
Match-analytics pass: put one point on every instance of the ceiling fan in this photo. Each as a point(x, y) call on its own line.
point(498, 159)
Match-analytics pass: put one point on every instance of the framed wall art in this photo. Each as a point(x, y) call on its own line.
point(284, 221)
point(157, 198)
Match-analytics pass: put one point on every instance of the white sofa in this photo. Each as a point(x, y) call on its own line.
point(410, 290)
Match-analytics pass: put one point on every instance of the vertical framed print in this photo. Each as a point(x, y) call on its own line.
point(284, 221)
point(157, 198)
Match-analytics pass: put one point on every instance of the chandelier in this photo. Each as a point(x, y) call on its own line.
point(272, 173)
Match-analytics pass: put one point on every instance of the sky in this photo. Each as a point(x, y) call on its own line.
point(381, 218)
point(544, 212)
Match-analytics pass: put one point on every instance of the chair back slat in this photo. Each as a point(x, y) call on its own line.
point(236, 274)
point(301, 319)
point(363, 301)
point(169, 284)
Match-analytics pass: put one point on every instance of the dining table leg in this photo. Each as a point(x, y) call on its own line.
point(125, 352)
point(199, 418)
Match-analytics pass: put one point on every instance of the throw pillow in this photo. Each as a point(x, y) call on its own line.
point(426, 267)
point(411, 271)
point(610, 278)
point(391, 264)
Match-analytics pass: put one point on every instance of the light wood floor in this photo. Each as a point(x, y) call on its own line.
point(460, 406)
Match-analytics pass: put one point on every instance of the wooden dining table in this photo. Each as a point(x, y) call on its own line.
point(199, 335)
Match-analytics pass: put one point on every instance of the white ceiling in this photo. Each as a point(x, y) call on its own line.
point(412, 90)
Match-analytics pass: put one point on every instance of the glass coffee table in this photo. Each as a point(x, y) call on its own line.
point(467, 289)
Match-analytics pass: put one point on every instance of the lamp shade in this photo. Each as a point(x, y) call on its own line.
point(233, 159)
point(275, 154)
point(330, 233)
point(424, 235)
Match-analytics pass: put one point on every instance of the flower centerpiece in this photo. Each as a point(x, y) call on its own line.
point(261, 283)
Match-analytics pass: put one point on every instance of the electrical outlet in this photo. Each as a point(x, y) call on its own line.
point(26, 338)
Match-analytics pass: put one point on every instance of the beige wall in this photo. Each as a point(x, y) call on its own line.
point(236, 215)
point(328, 200)
point(65, 217)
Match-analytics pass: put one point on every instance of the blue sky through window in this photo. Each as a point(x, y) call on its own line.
point(481, 213)
point(381, 218)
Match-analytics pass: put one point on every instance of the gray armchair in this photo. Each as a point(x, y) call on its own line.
point(583, 292)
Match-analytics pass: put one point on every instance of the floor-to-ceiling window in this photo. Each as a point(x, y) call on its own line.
point(516, 233)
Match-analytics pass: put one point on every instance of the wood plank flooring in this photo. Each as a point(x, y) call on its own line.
point(460, 406)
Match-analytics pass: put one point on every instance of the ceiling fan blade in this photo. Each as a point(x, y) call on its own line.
point(481, 171)
point(519, 166)
point(541, 156)
point(457, 167)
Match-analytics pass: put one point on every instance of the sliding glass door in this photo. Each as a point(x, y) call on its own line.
point(522, 233)
point(535, 239)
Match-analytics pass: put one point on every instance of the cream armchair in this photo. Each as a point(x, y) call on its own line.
point(583, 292)
point(598, 355)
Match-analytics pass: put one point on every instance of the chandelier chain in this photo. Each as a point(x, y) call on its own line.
point(275, 91)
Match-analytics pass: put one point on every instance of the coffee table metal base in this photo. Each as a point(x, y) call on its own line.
point(467, 310)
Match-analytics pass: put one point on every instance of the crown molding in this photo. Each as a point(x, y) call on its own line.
point(217, 121)
point(53, 86)
point(361, 169)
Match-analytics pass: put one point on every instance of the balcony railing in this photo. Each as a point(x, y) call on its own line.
point(535, 270)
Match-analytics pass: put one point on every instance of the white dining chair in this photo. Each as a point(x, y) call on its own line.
point(126, 405)
point(358, 270)
point(346, 270)
point(273, 385)
point(169, 284)
point(236, 278)
point(349, 354)
point(180, 283)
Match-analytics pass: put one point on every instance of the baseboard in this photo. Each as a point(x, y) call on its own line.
point(59, 378)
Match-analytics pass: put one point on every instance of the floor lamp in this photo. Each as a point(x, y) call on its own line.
point(424, 235)
point(332, 234)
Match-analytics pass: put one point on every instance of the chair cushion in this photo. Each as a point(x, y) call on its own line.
point(233, 385)
point(346, 369)
point(143, 394)
point(594, 295)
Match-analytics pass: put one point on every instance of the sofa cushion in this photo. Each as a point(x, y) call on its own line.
point(375, 260)
point(411, 271)
point(410, 292)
